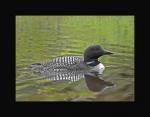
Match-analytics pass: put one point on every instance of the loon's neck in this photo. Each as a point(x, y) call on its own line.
point(92, 62)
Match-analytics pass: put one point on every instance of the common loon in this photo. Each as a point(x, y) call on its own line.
point(88, 62)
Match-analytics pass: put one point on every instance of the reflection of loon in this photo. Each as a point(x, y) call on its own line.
point(63, 65)
point(95, 84)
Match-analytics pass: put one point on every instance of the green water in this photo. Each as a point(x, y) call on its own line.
point(42, 38)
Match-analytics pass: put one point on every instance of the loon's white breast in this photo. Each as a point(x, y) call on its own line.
point(99, 68)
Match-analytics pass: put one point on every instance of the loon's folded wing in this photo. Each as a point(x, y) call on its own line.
point(57, 64)
point(64, 61)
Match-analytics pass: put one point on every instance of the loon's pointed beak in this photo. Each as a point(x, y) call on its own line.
point(106, 52)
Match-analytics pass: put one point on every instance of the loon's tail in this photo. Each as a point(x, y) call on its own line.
point(36, 67)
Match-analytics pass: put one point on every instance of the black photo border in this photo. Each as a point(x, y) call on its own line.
point(64, 8)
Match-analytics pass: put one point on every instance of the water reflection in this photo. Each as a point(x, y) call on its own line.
point(93, 80)
point(70, 76)
point(95, 83)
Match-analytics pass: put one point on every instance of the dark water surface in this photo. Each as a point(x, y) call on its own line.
point(42, 38)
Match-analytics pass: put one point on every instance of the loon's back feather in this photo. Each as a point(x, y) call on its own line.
point(64, 61)
point(58, 64)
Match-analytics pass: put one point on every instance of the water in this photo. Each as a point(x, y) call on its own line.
point(42, 38)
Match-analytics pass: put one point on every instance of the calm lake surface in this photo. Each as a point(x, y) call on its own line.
point(42, 38)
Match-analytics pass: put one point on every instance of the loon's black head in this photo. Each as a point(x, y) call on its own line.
point(93, 52)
